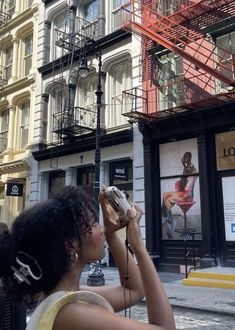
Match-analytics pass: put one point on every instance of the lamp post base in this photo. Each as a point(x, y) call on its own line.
point(96, 276)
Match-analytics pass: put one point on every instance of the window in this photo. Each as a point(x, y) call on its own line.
point(121, 74)
point(91, 11)
point(179, 181)
point(90, 17)
point(24, 124)
point(9, 55)
point(27, 4)
point(60, 30)
point(118, 13)
point(88, 87)
point(85, 179)
point(226, 42)
point(11, 8)
point(171, 81)
point(28, 42)
point(4, 130)
point(56, 183)
point(57, 107)
point(87, 99)
point(168, 7)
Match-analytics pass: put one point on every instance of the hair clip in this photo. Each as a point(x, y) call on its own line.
point(33, 270)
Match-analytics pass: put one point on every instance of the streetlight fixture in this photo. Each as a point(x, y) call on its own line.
point(96, 276)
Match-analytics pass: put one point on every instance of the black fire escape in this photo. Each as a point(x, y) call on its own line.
point(73, 122)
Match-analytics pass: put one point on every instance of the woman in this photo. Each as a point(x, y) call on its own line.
point(184, 192)
point(49, 245)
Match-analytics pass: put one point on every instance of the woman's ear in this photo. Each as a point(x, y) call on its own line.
point(71, 245)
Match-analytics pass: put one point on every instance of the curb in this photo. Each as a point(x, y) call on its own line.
point(198, 309)
point(204, 309)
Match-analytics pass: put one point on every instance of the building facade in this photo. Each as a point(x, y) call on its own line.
point(18, 71)
point(71, 34)
point(187, 122)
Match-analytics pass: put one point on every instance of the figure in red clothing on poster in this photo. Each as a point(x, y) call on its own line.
point(183, 192)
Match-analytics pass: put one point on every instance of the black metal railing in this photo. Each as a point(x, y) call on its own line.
point(195, 252)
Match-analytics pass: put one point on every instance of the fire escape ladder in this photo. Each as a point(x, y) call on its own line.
point(192, 46)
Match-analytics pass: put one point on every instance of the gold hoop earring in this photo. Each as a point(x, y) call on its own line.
point(73, 257)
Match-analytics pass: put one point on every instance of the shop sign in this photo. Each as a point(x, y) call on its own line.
point(119, 172)
point(15, 189)
point(225, 150)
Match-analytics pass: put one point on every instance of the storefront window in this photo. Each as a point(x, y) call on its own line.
point(179, 183)
point(228, 184)
point(85, 179)
point(56, 182)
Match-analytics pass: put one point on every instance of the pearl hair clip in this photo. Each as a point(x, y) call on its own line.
point(21, 275)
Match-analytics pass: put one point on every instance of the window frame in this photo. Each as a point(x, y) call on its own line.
point(117, 13)
point(56, 29)
point(4, 130)
point(24, 125)
point(28, 57)
point(91, 26)
point(8, 63)
point(220, 85)
point(172, 88)
point(113, 114)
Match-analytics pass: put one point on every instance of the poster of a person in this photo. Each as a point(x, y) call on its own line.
point(178, 192)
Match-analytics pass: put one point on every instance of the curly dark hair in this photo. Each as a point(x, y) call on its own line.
point(41, 232)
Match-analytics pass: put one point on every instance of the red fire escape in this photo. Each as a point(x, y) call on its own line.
point(181, 32)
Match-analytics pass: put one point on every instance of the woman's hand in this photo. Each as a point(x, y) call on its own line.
point(112, 221)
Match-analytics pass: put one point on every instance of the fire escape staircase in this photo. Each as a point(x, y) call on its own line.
point(172, 33)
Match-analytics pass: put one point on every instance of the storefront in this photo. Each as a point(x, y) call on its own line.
point(190, 174)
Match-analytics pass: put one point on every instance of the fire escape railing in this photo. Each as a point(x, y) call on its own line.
point(73, 122)
point(203, 61)
point(81, 121)
point(192, 46)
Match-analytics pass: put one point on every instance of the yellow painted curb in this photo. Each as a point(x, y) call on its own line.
point(209, 283)
point(217, 276)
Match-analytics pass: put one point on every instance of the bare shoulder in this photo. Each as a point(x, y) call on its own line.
point(83, 316)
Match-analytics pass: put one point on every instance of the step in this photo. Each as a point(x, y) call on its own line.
point(210, 279)
point(212, 283)
point(209, 275)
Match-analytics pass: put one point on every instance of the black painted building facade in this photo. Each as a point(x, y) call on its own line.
point(205, 230)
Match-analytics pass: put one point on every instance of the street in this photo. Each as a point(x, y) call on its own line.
point(190, 319)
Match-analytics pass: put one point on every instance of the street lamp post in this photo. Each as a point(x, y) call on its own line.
point(96, 276)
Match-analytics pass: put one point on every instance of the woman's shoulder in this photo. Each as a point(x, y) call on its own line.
point(45, 314)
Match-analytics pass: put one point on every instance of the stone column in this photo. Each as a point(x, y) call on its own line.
point(46, 48)
point(15, 61)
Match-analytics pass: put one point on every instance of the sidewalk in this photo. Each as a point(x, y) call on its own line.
point(198, 298)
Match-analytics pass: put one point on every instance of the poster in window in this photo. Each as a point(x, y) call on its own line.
point(180, 196)
point(228, 184)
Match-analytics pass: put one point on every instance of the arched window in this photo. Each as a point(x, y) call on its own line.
point(120, 79)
